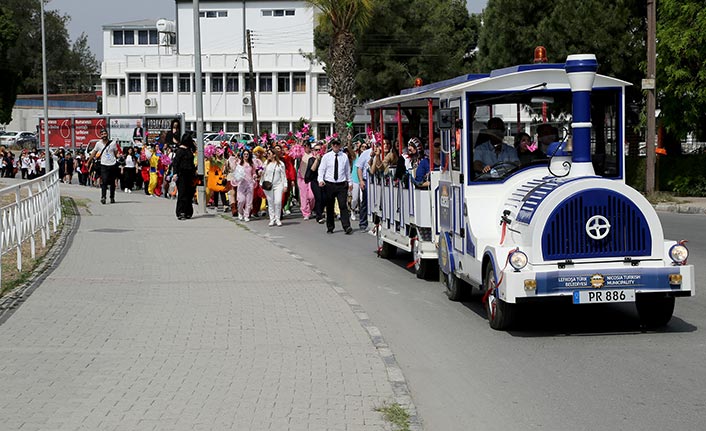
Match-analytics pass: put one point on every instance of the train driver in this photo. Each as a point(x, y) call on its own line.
point(493, 150)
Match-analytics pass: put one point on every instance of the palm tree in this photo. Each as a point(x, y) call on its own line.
point(344, 18)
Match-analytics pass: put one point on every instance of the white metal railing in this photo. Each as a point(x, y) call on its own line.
point(36, 205)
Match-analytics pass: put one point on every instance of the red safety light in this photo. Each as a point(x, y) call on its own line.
point(540, 54)
point(418, 82)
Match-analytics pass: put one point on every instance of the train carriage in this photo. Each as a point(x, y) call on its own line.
point(562, 224)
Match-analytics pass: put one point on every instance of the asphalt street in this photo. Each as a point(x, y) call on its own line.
point(568, 367)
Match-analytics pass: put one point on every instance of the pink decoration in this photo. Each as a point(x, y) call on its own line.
point(297, 151)
point(532, 147)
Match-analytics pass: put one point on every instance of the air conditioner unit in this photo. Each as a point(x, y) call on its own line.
point(150, 102)
point(247, 101)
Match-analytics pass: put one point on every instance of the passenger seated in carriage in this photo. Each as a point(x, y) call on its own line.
point(492, 150)
point(421, 175)
point(527, 151)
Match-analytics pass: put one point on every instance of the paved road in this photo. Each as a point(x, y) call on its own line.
point(588, 368)
point(154, 323)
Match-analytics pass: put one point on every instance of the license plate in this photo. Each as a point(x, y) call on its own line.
point(603, 296)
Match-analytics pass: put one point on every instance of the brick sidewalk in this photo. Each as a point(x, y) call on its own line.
point(154, 323)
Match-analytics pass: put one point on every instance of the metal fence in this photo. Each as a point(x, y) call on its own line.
point(28, 208)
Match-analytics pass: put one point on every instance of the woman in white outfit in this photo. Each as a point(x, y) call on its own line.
point(275, 174)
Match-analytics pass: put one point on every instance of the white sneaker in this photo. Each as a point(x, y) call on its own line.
point(306, 217)
point(129, 191)
point(287, 212)
point(240, 217)
point(271, 223)
point(352, 216)
point(246, 219)
point(278, 223)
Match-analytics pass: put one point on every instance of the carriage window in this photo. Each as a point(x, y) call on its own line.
point(530, 130)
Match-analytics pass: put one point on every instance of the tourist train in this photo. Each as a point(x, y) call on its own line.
point(561, 223)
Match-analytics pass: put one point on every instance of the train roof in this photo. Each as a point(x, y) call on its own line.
point(527, 78)
point(515, 78)
point(418, 96)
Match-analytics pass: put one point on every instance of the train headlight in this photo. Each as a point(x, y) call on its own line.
point(518, 260)
point(679, 254)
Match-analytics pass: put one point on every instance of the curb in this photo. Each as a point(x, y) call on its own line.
point(679, 208)
point(395, 377)
point(16, 297)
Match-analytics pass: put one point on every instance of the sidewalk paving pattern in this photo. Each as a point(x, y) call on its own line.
point(153, 323)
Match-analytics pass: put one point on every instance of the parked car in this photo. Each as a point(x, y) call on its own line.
point(243, 138)
point(27, 141)
point(217, 137)
point(11, 138)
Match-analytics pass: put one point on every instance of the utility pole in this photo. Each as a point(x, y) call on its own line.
point(198, 93)
point(48, 159)
point(649, 85)
point(252, 86)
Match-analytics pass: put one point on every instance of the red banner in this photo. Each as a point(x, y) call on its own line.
point(59, 132)
point(87, 129)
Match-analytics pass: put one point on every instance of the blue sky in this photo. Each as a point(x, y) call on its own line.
point(90, 16)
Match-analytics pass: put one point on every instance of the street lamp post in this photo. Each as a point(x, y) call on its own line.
point(201, 188)
point(253, 103)
point(48, 159)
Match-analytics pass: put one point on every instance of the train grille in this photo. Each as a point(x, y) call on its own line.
point(565, 235)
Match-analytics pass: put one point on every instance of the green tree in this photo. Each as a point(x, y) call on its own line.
point(345, 19)
point(9, 33)
point(613, 30)
point(428, 39)
point(68, 68)
point(681, 66)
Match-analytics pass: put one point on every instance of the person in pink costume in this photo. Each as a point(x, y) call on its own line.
point(306, 196)
point(246, 184)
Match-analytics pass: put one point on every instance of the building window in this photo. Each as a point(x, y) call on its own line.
point(213, 14)
point(231, 82)
point(247, 128)
point(184, 83)
point(167, 83)
point(134, 84)
point(283, 83)
point(277, 12)
point(231, 127)
point(247, 81)
point(283, 128)
point(112, 87)
point(265, 127)
point(322, 83)
point(129, 37)
point(217, 83)
point(265, 83)
point(121, 87)
point(217, 126)
point(323, 129)
point(118, 37)
point(142, 37)
point(154, 37)
point(299, 79)
point(152, 83)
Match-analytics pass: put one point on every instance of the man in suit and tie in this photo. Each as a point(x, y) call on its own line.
point(138, 133)
point(335, 176)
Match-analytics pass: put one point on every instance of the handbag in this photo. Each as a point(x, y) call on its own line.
point(267, 185)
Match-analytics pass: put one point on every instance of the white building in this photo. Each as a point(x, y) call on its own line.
point(150, 71)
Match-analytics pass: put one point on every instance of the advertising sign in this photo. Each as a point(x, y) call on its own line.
point(59, 132)
point(156, 125)
point(122, 129)
point(87, 129)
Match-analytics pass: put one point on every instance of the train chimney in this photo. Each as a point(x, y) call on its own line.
point(581, 71)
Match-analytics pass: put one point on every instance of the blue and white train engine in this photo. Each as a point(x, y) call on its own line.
point(563, 223)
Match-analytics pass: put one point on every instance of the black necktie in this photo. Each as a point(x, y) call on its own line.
point(335, 169)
